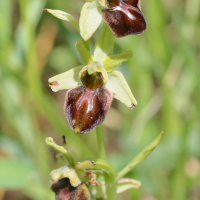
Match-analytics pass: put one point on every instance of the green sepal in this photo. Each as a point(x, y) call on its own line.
point(112, 61)
point(66, 172)
point(64, 16)
point(94, 67)
point(104, 44)
point(66, 80)
point(119, 87)
point(85, 55)
point(90, 19)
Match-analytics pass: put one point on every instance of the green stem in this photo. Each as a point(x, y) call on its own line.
point(109, 180)
point(71, 159)
point(97, 164)
point(100, 142)
point(109, 174)
point(111, 188)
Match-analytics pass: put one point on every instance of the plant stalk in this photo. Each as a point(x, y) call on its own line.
point(110, 182)
point(100, 142)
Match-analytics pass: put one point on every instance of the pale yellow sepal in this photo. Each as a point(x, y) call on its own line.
point(90, 19)
point(66, 80)
point(119, 87)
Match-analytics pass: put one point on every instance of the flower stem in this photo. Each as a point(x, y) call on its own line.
point(71, 159)
point(100, 142)
point(110, 183)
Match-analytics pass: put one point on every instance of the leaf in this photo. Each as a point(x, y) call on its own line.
point(112, 61)
point(86, 56)
point(117, 84)
point(104, 44)
point(90, 19)
point(122, 186)
point(14, 173)
point(140, 157)
point(64, 16)
point(66, 80)
point(126, 184)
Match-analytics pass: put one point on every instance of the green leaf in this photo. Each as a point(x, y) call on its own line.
point(15, 173)
point(90, 19)
point(119, 87)
point(140, 157)
point(86, 56)
point(66, 80)
point(64, 16)
point(112, 61)
point(104, 44)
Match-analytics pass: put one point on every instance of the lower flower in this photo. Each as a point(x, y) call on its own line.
point(64, 190)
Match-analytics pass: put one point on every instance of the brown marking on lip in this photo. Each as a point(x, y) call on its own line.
point(54, 83)
point(45, 10)
point(132, 106)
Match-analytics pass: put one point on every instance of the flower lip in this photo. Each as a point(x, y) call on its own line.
point(86, 105)
point(124, 17)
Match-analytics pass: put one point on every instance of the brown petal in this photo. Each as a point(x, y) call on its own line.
point(86, 109)
point(124, 18)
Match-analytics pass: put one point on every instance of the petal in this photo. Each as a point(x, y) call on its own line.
point(86, 109)
point(124, 17)
point(66, 80)
point(111, 62)
point(119, 87)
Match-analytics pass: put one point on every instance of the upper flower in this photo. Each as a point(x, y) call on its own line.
point(124, 17)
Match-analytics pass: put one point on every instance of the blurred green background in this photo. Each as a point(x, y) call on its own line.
point(164, 75)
